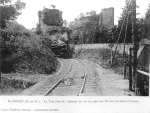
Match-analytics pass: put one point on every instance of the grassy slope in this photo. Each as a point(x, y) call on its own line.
point(102, 57)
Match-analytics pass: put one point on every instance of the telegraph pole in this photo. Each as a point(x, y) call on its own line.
point(134, 40)
point(0, 60)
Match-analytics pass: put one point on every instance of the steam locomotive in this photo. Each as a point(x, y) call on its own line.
point(63, 50)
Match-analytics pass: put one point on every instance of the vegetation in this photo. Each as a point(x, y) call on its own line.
point(10, 11)
point(126, 16)
point(38, 29)
point(21, 50)
point(54, 26)
point(147, 22)
point(84, 28)
point(102, 56)
point(26, 52)
point(142, 24)
point(52, 17)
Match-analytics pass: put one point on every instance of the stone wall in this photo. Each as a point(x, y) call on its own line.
point(41, 17)
point(106, 45)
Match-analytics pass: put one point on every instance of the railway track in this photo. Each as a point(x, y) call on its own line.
point(55, 85)
point(79, 87)
point(84, 81)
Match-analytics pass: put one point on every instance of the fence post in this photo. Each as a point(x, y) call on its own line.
point(124, 71)
point(111, 54)
point(0, 65)
point(138, 84)
point(130, 71)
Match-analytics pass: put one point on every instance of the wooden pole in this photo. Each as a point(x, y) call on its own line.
point(124, 63)
point(0, 63)
point(0, 56)
point(130, 71)
point(134, 41)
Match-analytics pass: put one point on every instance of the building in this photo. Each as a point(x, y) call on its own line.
point(41, 17)
point(106, 18)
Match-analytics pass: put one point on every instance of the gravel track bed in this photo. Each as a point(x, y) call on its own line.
point(92, 87)
point(72, 82)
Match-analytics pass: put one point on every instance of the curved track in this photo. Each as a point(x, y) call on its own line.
point(55, 85)
point(59, 86)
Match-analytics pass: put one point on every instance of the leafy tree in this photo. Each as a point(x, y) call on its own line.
point(147, 16)
point(127, 15)
point(10, 11)
point(85, 27)
point(65, 23)
point(147, 22)
point(23, 51)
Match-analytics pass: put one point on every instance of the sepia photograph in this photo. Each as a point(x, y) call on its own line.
point(72, 48)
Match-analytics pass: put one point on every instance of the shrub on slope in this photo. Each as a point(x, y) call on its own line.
point(23, 51)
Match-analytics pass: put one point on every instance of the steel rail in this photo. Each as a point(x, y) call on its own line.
point(51, 89)
point(83, 83)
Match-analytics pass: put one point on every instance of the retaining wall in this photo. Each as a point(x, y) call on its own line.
point(106, 45)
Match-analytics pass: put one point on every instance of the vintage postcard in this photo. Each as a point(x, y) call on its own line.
point(74, 56)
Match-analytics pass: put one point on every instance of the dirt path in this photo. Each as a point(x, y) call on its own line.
point(112, 84)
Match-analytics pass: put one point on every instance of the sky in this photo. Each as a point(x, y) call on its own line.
point(72, 8)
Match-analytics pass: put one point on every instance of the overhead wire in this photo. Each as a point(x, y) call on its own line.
point(126, 30)
point(121, 32)
point(118, 39)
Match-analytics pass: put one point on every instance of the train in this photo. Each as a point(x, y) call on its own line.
point(64, 50)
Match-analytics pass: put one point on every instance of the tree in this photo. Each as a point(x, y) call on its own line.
point(10, 11)
point(147, 16)
point(147, 23)
point(23, 51)
point(65, 23)
point(85, 27)
point(127, 16)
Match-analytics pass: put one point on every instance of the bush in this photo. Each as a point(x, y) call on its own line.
point(24, 51)
point(101, 56)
